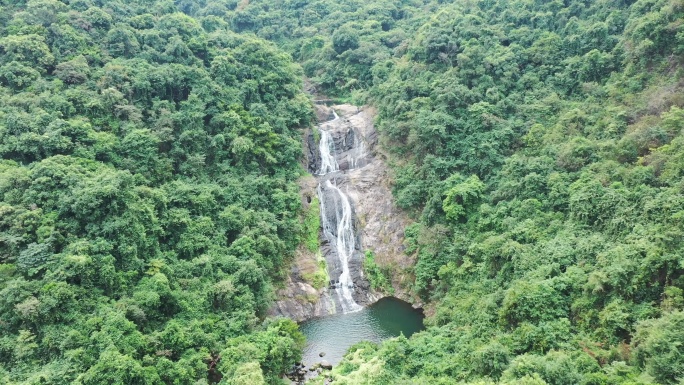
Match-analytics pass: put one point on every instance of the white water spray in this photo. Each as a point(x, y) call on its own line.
point(327, 150)
point(340, 235)
point(356, 153)
point(326, 147)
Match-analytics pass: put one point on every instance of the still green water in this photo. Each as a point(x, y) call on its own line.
point(333, 335)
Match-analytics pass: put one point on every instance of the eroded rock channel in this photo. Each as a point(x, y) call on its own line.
point(351, 183)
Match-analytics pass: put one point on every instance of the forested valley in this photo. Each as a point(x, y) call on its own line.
point(149, 154)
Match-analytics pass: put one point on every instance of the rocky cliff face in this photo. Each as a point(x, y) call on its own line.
point(378, 223)
point(301, 298)
point(381, 222)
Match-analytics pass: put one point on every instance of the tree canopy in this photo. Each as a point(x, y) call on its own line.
point(538, 147)
point(149, 152)
point(147, 195)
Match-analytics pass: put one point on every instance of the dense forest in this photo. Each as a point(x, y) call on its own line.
point(147, 196)
point(539, 146)
point(149, 152)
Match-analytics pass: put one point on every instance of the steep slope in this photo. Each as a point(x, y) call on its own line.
point(538, 144)
point(148, 202)
point(148, 192)
point(352, 167)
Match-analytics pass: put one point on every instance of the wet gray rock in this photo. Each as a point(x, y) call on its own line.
point(313, 157)
point(326, 365)
point(378, 223)
point(295, 301)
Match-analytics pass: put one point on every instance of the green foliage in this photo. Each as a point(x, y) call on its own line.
point(274, 350)
point(538, 145)
point(461, 198)
point(248, 374)
point(319, 278)
point(148, 196)
point(342, 45)
point(312, 225)
point(532, 302)
point(345, 39)
point(659, 346)
point(115, 368)
point(378, 277)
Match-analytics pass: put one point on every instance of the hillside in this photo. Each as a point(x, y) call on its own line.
point(150, 151)
point(148, 196)
point(538, 145)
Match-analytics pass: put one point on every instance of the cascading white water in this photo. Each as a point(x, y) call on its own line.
point(356, 153)
point(326, 147)
point(341, 236)
point(327, 150)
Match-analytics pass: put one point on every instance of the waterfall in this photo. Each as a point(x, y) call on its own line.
point(337, 218)
point(326, 147)
point(327, 150)
point(356, 153)
point(341, 236)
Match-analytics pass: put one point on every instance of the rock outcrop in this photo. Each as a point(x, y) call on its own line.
point(299, 300)
point(379, 224)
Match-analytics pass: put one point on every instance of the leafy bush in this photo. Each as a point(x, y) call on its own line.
point(378, 277)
